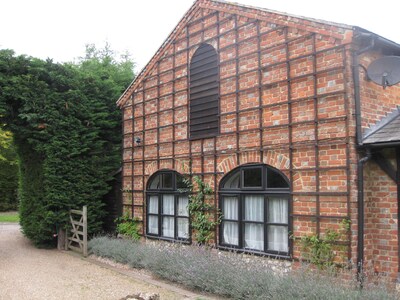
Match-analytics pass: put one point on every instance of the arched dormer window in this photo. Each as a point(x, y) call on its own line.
point(204, 93)
point(254, 200)
point(167, 207)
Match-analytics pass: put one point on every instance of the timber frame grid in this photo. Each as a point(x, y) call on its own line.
point(135, 157)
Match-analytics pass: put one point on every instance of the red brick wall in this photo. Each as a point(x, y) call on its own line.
point(381, 231)
point(283, 101)
point(376, 101)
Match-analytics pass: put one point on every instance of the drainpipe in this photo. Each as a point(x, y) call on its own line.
point(356, 80)
point(362, 161)
point(360, 195)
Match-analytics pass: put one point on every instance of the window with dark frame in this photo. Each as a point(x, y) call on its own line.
point(167, 207)
point(254, 200)
point(204, 93)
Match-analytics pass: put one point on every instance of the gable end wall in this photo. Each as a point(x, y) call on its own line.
point(284, 101)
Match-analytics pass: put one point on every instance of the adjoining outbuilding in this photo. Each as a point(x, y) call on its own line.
point(279, 115)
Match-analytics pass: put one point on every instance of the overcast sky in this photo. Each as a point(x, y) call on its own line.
point(59, 29)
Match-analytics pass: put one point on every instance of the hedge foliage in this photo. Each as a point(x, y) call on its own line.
point(8, 172)
point(67, 131)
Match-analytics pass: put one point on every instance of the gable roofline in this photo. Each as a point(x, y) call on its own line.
point(388, 46)
point(251, 12)
point(175, 32)
point(380, 125)
point(285, 14)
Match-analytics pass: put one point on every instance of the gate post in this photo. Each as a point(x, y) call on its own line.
point(61, 237)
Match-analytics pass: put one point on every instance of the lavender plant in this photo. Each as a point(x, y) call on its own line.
point(230, 276)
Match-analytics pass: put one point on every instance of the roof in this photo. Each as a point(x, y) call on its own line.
point(283, 13)
point(385, 131)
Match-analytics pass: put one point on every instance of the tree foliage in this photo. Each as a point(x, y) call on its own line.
point(8, 172)
point(67, 131)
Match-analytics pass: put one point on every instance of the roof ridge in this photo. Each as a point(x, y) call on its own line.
point(347, 26)
point(382, 122)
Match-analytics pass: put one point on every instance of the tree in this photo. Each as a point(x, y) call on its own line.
point(67, 131)
point(8, 172)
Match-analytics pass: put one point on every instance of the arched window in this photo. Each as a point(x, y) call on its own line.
point(204, 93)
point(254, 200)
point(167, 207)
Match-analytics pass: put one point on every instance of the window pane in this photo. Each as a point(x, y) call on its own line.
point(183, 203)
point(230, 209)
point(155, 184)
point(153, 205)
point(254, 236)
point(233, 181)
point(153, 225)
point(180, 184)
point(183, 228)
point(167, 181)
point(277, 210)
point(168, 204)
point(230, 233)
point(254, 208)
point(252, 177)
point(168, 227)
point(275, 180)
point(278, 238)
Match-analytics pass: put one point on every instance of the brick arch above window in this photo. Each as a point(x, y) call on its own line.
point(272, 158)
point(204, 93)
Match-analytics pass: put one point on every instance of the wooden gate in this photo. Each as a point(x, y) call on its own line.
point(77, 235)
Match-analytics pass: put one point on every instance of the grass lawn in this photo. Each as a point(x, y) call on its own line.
point(10, 216)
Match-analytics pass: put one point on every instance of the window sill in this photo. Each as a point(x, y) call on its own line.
point(170, 240)
point(277, 255)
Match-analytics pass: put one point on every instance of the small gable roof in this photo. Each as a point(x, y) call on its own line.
point(284, 19)
point(385, 131)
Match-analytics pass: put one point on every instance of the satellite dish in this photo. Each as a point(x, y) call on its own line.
point(385, 71)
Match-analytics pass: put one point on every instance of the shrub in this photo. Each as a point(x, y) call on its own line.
point(8, 172)
point(227, 275)
point(128, 227)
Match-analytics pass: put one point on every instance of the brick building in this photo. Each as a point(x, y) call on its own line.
point(277, 114)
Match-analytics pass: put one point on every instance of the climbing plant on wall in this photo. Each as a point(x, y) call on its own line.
point(67, 132)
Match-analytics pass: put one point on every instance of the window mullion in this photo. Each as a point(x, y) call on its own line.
point(160, 213)
point(175, 217)
point(240, 220)
point(265, 222)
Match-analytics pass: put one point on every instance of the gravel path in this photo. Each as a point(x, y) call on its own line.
point(30, 273)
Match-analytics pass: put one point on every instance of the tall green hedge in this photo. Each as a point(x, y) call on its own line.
point(67, 131)
point(8, 172)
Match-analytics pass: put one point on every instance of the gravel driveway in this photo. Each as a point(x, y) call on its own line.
point(30, 273)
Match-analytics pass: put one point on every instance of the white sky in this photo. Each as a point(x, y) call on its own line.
point(59, 29)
